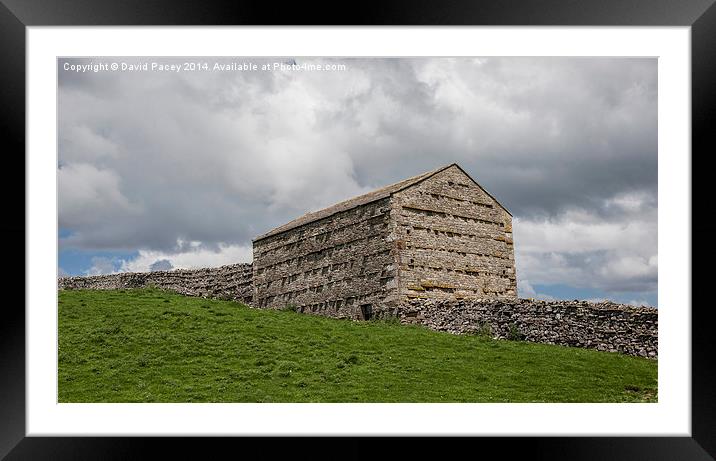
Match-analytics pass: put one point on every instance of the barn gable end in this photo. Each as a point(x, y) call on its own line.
point(454, 240)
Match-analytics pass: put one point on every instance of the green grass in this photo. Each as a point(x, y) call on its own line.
point(153, 346)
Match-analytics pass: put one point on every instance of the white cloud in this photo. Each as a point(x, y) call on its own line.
point(596, 300)
point(102, 265)
point(587, 250)
point(194, 255)
point(640, 303)
point(88, 195)
point(79, 143)
point(630, 266)
point(525, 290)
point(186, 255)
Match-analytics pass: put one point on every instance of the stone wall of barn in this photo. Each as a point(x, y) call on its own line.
point(339, 266)
point(454, 240)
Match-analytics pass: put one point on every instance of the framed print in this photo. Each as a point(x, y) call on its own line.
point(369, 167)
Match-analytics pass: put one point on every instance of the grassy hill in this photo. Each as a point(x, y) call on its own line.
point(152, 346)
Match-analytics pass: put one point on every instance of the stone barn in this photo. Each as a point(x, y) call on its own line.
point(436, 235)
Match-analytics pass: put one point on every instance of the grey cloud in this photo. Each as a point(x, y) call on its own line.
point(220, 157)
point(161, 265)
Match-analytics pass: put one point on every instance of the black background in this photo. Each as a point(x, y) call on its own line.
point(16, 15)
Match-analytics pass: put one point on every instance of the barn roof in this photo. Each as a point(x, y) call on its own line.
point(364, 199)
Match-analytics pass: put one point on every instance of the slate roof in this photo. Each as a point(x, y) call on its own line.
point(364, 199)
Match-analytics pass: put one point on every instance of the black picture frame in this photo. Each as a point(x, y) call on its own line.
point(16, 15)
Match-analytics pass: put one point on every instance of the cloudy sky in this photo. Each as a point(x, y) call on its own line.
point(162, 169)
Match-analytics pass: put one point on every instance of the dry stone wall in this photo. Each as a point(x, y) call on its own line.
point(454, 240)
point(339, 266)
point(233, 282)
point(603, 326)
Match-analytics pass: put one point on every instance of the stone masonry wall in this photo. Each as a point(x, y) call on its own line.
point(455, 241)
point(603, 326)
point(226, 282)
point(337, 266)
